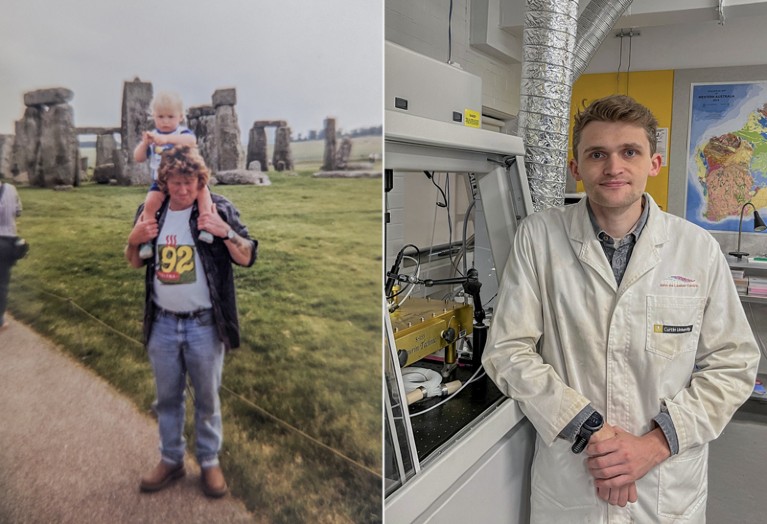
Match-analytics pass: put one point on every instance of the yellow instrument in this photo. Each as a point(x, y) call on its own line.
point(423, 326)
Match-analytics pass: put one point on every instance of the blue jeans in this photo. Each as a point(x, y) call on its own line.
point(177, 347)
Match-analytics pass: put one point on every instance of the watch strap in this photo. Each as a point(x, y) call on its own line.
point(587, 429)
point(581, 441)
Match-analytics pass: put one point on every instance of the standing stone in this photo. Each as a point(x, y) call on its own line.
point(282, 159)
point(105, 147)
point(105, 169)
point(26, 144)
point(119, 167)
point(6, 150)
point(329, 158)
point(137, 97)
point(58, 155)
point(343, 153)
point(257, 146)
point(46, 147)
point(228, 143)
point(202, 121)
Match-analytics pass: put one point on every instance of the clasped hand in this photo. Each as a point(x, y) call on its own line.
point(143, 231)
point(158, 139)
point(212, 222)
point(617, 459)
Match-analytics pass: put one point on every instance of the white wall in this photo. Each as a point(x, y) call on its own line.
point(740, 41)
point(422, 25)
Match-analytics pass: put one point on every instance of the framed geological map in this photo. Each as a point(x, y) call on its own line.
point(726, 153)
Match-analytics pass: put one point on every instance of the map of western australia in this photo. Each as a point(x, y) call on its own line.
point(727, 162)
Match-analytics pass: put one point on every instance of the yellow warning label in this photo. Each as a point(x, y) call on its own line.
point(470, 118)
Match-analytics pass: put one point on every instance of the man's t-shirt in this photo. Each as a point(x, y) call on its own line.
point(179, 282)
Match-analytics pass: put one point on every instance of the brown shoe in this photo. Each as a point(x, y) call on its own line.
point(162, 475)
point(213, 482)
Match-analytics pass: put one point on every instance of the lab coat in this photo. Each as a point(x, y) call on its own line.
point(674, 333)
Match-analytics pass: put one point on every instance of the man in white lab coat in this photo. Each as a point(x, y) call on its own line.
point(619, 331)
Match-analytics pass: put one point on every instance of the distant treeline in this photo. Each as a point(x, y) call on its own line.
point(320, 135)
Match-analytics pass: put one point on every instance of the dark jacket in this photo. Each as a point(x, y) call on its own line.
point(217, 264)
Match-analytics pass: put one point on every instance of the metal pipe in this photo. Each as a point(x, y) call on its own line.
point(594, 24)
point(547, 76)
point(552, 62)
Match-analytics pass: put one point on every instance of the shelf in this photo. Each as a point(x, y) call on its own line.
point(760, 397)
point(734, 264)
point(753, 299)
point(750, 270)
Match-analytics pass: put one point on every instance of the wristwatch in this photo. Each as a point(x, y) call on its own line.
point(593, 424)
point(230, 234)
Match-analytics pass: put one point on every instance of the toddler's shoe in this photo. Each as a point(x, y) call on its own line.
point(145, 251)
point(205, 237)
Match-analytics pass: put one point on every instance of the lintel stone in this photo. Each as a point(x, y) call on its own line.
point(48, 97)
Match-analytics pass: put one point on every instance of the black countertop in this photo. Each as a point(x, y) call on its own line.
point(432, 429)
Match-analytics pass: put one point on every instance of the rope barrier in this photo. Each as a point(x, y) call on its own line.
point(244, 400)
point(300, 432)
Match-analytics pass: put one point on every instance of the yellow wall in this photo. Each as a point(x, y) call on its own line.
point(654, 89)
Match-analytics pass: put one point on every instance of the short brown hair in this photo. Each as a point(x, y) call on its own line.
point(616, 108)
point(184, 161)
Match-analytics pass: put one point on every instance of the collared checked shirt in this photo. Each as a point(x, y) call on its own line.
point(618, 251)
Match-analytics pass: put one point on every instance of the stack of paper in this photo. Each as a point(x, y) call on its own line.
point(741, 284)
point(740, 279)
point(757, 286)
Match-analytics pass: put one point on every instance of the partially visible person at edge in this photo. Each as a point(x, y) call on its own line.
point(618, 329)
point(10, 209)
point(190, 315)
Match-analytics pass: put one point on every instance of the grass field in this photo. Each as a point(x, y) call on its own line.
point(310, 319)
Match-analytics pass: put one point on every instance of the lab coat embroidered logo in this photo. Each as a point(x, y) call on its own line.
point(679, 281)
point(660, 328)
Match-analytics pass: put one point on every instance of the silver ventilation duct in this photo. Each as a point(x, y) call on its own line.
point(594, 24)
point(548, 44)
point(549, 70)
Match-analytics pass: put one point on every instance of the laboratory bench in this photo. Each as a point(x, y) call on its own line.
point(439, 425)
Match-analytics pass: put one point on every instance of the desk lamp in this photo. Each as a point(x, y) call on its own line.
point(758, 226)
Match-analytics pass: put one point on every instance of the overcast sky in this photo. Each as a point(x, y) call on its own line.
point(294, 60)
